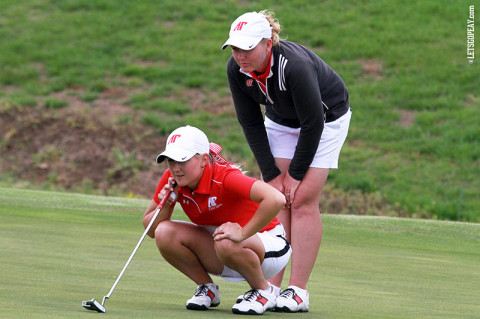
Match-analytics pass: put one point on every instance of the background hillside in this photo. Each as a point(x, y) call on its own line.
point(90, 89)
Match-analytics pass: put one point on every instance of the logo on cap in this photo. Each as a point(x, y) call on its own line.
point(173, 138)
point(240, 26)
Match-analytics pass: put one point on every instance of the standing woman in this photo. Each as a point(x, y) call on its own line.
point(307, 115)
point(233, 232)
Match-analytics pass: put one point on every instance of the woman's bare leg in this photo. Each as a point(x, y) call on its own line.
point(188, 248)
point(303, 224)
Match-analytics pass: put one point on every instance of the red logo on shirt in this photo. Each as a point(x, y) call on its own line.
point(250, 82)
point(173, 138)
point(239, 26)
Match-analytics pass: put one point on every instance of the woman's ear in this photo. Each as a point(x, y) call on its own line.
point(268, 46)
point(205, 159)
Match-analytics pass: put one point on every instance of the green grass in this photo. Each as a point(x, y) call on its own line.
point(429, 168)
point(59, 249)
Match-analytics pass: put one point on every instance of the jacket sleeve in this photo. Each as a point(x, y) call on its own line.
point(302, 80)
point(249, 115)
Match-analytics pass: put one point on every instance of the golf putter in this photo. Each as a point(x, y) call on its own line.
point(93, 304)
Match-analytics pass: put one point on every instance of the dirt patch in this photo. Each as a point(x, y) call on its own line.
point(87, 147)
point(373, 68)
point(98, 145)
point(471, 100)
point(93, 145)
point(74, 148)
point(211, 102)
point(407, 118)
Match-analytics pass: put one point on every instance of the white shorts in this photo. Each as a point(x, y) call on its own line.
point(277, 254)
point(283, 141)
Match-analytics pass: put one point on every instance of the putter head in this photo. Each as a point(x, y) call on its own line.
point(93, 305)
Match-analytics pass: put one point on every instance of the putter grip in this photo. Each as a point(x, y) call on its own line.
point(167, 195)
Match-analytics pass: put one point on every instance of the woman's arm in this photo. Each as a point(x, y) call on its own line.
point(165, 213)
point(271, 202)
point(306, 95)
point(250, 117)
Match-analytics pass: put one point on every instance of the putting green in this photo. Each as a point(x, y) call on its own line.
point(59, 249)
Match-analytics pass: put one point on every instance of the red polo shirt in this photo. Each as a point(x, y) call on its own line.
point(223, 195)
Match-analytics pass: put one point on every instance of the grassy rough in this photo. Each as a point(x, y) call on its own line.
point(415, 129)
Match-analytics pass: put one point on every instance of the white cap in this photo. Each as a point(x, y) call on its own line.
point(248, 30)
point(183, 143)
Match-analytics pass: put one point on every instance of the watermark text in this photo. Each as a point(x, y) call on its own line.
point(471, 34)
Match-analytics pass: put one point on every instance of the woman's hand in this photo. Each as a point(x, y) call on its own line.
point(170, 186)
point(290, 186)
point(277, 182)
point(232, 231)
point(287, 185)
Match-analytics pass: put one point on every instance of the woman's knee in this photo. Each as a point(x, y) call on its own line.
point(224, 247)
point(305, 197)
point(232, 253)
point(165, 234)
point(305, 206)
point(227, 250)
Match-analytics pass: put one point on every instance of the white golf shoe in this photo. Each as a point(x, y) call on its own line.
point(292, 299)
point(206, 296)
point(255, 302)
point(276, 290)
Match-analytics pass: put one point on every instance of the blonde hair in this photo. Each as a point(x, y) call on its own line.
point(276, 27)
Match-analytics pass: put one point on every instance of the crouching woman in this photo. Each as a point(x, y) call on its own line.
point(233, 233)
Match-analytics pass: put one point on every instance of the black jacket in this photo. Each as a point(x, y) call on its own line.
point(303, 92)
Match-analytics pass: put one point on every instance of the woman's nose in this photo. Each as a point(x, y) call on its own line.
point(240, 55)
point(174, 166)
